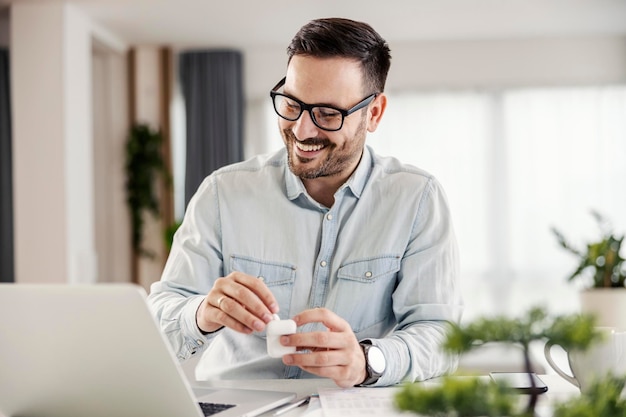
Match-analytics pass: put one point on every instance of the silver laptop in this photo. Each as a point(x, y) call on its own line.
point(95, 350)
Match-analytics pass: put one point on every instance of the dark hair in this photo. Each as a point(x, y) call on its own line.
point(337, 37)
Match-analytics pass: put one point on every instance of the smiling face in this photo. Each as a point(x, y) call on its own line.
point(316, 154)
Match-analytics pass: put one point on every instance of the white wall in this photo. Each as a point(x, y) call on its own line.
point(57, 163)
point(78, 140)
point(496, 63)
point(51, 142)
point(51, 46)
point(472, 64)
point(110, 114)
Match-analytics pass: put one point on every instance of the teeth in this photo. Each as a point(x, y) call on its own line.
point(308, 148)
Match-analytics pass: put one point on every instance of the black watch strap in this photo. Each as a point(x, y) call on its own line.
point(373, 373)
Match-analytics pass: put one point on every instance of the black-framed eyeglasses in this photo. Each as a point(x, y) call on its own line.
point(325, 117)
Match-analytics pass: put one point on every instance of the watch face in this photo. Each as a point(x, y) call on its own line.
point(376, 359)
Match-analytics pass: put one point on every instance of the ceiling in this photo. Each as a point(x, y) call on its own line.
point(253, 23)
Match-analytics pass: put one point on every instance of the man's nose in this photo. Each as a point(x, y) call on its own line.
point(304, 127)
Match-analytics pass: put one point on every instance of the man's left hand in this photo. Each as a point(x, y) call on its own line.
point(334, 354)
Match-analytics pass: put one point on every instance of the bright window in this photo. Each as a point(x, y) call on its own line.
point(514, 164)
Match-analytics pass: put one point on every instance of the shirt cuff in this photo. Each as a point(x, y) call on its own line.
point(194, 340)
point(394, 369)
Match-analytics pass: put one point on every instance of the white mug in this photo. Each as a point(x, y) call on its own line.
point(602, 358)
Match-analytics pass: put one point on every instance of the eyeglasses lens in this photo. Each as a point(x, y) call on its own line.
point(324, 117)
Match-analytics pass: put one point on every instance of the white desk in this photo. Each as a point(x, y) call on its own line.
point(558, 390)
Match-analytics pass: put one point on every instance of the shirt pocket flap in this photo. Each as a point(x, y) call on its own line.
point(271, 273)
point(370, 269)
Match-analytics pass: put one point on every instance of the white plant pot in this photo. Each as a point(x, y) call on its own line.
point(608, 304)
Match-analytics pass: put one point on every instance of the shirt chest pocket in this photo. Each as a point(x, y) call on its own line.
point(279, 278)
point(365, 291)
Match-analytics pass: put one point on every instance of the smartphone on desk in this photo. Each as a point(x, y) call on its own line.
point(520, 381)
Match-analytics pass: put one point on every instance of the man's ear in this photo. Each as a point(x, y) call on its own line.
point(376, 111)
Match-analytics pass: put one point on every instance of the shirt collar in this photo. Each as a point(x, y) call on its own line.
point(356, 182)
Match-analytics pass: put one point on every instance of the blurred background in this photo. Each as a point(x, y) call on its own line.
point(518, 107)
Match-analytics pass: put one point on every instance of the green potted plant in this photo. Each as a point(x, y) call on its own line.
point(481, 397)
point(144, 165)
point(602, 264)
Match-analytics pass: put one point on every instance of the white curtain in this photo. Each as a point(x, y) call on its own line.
point(567, 155)
point(448, 135)
point(515, 163)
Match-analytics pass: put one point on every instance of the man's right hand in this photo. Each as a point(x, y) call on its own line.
point(238, 301)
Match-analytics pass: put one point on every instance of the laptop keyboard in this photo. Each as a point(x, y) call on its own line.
point(213, 408)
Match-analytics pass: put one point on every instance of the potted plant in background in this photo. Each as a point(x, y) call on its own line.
point(602, 263)
point(481, 397)
point(145, 164)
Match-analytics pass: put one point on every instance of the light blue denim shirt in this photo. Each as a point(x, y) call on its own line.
point(384, 257)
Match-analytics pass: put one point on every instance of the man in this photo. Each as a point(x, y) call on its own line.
point(358, 249)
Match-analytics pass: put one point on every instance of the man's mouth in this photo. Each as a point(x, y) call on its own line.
point(308, 147)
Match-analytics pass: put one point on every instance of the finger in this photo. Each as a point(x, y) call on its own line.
point(344, 376)
point(317, 359)
point(250, 292)
point(329, 319)
point(234, 311)
point(259, 288)
point(317, 340)
point(210, 318)
point(243, 303)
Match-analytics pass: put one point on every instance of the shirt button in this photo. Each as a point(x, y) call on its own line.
point(261, 279)
point(200, 342)
point(368, 274)
point(329, 216)
point(323, 263)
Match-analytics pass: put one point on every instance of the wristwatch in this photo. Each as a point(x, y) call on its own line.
point(374, 363)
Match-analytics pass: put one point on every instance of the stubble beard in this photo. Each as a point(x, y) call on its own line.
point(337, 160)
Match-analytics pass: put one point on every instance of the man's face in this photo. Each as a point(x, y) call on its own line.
point(314, 152)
